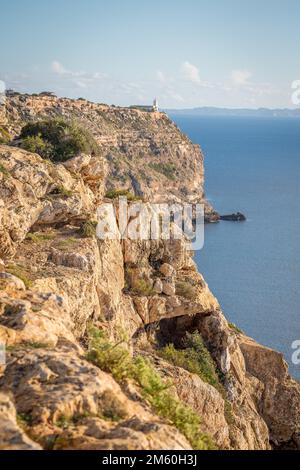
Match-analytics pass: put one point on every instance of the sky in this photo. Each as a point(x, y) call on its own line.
point(187, 53)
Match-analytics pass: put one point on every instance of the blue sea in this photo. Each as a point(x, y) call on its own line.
point(252, 165)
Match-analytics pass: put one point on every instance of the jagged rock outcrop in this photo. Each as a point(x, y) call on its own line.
point(12, 437)
point(35, 192)
point(56, 280)
point(69, 402)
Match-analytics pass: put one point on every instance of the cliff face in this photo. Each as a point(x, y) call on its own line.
point(146, 152)
point(57, 280)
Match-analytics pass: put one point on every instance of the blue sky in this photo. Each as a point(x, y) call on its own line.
point(233, 53)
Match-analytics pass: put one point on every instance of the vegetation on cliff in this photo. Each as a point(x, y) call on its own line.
point(116, 359)
point(195, 358)
point(56, 279)
point(4, 135)
point(57, 139)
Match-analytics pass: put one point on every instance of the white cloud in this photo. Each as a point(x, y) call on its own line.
point(161, 76)
point(240, 77)
point(176, 96)
point(58, 68)
point(80, 84)
point(191, 72)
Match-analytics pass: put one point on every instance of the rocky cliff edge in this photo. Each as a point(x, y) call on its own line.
point(58, 282)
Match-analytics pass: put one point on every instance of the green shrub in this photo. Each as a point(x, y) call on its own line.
point(195, 358)
point(166, 169)
point(116, 360)
point(157, 393)
point(36, 144)
point(112, 358)
point(185, 289)
point(115, 193)
point(57, 139)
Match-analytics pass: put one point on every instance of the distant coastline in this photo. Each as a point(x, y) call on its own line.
point(237, 112)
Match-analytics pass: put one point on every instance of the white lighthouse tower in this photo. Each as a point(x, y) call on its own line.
point(155, 105)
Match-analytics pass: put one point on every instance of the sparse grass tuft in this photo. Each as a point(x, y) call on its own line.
point(137, 285)
point(60, 190)
point(111, 408)
point(88, 229)
point(39, 237)
point(115, 193)
point(142, 287)
point(4, 136)
point(115, 359)
point(232, 326)
point(24, 420)
point(63, 422)
point(21, 272)
point(4, 171)
point(28, 345)
point(166, 169)
point(66, 243)
point(185, 289)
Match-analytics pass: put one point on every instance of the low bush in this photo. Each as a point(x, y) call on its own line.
point(195, 358)
point(112, 358)
point(36, 144)
point(57, 139)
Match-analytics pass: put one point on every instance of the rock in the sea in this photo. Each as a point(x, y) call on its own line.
point(238, 217)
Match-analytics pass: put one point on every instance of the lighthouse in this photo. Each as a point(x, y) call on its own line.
point(155, 105)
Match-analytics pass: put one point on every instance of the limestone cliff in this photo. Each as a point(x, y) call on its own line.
point(57, 279)
point(146, 152)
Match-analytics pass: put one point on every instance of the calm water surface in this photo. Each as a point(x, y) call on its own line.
point(253, 165)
